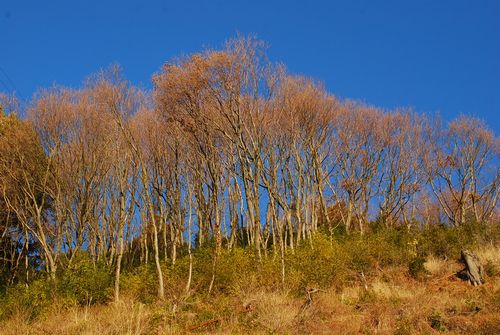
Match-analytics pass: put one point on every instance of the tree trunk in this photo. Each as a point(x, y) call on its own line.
point(473, 271)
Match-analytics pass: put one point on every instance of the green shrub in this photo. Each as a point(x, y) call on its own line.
point(233, 269)
point(417, 269)
point(141, 283)
point(30, 301)
point(85, 282)
point(491, 269)
point(447, 241)
point(323, 265)
point(436, 321)
point(390, 246)
point(360, 254)
point(439, 240)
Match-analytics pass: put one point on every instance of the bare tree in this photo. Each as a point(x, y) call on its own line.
point(459, 172)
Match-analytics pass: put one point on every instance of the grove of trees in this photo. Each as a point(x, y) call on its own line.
point(227, 150)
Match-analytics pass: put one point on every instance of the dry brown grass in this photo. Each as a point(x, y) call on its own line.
point(124, 317)
point(490, 253)
point(408, 307)
point(275, 311)
point(436, 266)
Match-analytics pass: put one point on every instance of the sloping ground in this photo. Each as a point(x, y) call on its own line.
point(391, 303)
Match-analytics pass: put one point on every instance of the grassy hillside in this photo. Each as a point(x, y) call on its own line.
point(386, 282)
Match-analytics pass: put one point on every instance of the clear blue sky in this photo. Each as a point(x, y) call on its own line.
point(428, 54)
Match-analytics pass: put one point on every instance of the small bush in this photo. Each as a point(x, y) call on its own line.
point(491, 269)
point(446, 241)
point(417, 269)
point(323, 265)
point(141, 283)
point(233, 269)
point(30, 301)
point(85, 282)
point(436, 321)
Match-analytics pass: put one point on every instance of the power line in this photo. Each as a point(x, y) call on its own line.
point(4, 85)
point(11, 82)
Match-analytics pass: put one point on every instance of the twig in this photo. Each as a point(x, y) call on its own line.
point(309, 298)
point(207, 323)
point(364, 280)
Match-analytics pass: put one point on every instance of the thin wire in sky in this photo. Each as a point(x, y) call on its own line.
point(11, 82)
point(4, 85)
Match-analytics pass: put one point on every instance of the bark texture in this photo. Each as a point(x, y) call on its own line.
point(473, 271)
